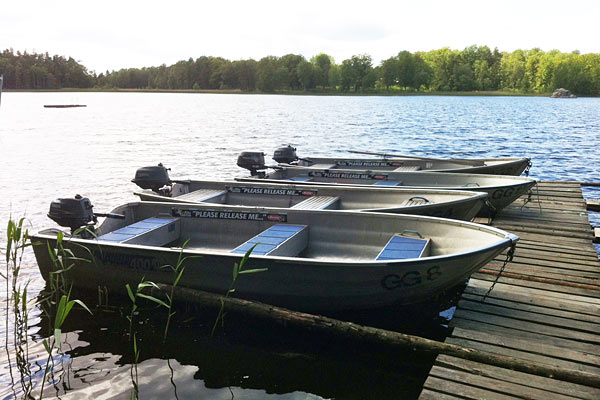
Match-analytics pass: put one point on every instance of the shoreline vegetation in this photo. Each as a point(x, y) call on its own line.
point(286, 92)
point(476, 70)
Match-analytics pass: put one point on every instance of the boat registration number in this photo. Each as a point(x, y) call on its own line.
point(410, 278)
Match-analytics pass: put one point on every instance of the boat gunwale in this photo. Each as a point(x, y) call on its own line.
point(503, 236)
point(528, 181)
point(296, 260)
point(469, 195)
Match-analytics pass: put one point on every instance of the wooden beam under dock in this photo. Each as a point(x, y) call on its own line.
point(593, 204)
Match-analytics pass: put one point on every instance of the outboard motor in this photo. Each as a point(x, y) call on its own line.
point(72, 212)
point(153, 178)
point(285, 155)
point(252, 161)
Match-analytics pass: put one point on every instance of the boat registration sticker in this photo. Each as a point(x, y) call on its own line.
point(228, 214)
point(272, 191)
point(363, 163)
point(346, 175)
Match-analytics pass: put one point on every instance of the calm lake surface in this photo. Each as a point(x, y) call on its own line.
point(94, 151)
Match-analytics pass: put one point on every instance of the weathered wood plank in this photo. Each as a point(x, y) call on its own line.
point(581, 270)
point(532, 253)
point(504, 331)
point(588, 296)
point(558, 225)
point(564, 276)
point(585, 249)
point(530, 346)
point(501, 386)
point(560, 387)
point(534, 296)
point(527, 326)
point(562, 234)
point(529, 316)
point(524, 355)
point(577, 219)
point(427, 394)
point(554, 239)
point(465, 391)
point(535, 305)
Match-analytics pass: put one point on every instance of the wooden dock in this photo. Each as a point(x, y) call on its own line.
point(544, 308)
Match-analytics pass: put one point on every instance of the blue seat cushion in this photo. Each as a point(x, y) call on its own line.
point(136, 229)
point(387, 183)
point(402, 247)
point(269, 239)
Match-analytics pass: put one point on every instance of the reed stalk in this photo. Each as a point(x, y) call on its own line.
point(238, 269)
point(133, 296)
point(17, 241)
point(177, 270)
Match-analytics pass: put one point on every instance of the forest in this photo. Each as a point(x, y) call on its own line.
point(476, 68)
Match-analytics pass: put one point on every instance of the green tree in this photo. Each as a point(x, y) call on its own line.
point(304, 71)
point(321, 66)
point(388, 72)
point(334, 77)
point(355, 70)
point(512, 69)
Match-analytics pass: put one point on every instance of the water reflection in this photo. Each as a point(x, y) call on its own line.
point(247, 359)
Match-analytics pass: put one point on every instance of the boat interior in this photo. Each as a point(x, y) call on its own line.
point(323, 236)
point(398, 165)
point(393, 179)
point(308, 199)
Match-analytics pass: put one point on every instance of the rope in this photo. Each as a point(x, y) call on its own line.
point(528, 167)
point(530, 195)
point(492, 211)
point(509, 258)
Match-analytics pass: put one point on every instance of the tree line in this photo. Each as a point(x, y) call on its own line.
point(476, 68)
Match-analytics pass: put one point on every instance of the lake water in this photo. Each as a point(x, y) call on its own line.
point(94, 151)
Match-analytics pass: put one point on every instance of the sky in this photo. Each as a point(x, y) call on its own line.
point(110, 35)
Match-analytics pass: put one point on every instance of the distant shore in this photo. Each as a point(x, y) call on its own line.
point(289, 92)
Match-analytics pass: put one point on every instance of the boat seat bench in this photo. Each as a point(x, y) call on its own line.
point(387, 183)
point(317, 203)
point(156, 231)
point(402, 247)
point(202, 195)
point(323, 166)
point(407, 168)
point(278, 240)
point(300, 179)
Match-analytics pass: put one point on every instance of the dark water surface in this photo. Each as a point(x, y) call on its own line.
point(50, 153)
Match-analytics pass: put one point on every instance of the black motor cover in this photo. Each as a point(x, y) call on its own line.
point(154, 177)
point(285, 155)
point(252, 161)
point(72, 212)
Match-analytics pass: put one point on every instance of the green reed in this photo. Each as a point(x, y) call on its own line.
point(133, 296)
point(177, 270)
point(17, 241)
point(58, 297)
point(55, 303)
point(238, 269)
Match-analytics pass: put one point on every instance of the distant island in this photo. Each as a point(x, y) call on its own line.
point(474, 69)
